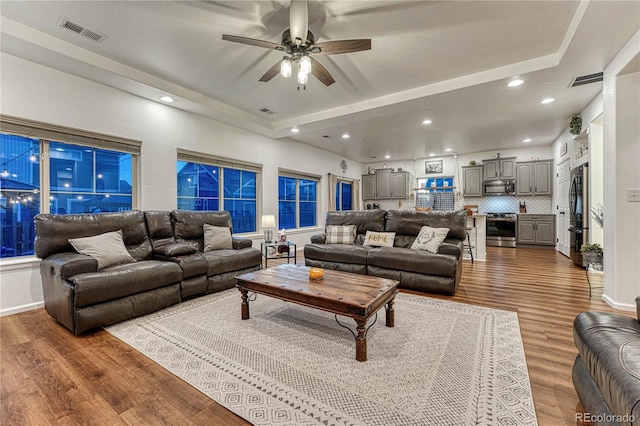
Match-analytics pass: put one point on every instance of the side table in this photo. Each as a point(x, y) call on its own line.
point(278, 251)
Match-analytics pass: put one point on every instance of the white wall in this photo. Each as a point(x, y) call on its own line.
point(596, 178)
point(39, 93)
point(621, 89)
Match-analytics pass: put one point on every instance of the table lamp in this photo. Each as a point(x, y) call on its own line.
point(268, 222)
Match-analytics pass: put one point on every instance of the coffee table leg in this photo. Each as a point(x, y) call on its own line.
point(361, 341)
point(245, 304)
point(391, 317)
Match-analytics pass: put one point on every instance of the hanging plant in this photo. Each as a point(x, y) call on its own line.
point(575, 125)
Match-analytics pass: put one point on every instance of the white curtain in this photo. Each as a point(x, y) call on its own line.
point(333, 181)
point(356, 202)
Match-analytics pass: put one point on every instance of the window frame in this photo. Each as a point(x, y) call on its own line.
point(223, 163)
point(293, 174)
point(47, 133)
point(338, 202)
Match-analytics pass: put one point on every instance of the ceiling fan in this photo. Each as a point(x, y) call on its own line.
point(300, 47)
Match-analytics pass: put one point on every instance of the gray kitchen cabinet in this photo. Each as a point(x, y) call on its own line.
point(385, 185)
point(472, 181)
point(499, 168)
point(536, 229)
point(368, 187)
point(534, 178)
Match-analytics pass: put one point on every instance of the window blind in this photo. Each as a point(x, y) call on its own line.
point(298, 175)
point(215, 160)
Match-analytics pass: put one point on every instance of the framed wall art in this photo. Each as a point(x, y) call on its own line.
point(434, 166)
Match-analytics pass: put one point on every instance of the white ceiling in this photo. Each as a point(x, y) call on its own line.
point(448, 61)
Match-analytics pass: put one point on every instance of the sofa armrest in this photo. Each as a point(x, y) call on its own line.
point(240, 243)
point(319, 238)
point(450, 248)
point(65, 265)
point(174, 249)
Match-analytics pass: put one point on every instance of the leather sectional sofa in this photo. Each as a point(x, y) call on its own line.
point(170, 264)
point(606, 372)
point(415, 269)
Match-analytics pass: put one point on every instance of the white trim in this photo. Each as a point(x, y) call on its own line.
point(20, 309)
point(19, 263)
point(620, 306)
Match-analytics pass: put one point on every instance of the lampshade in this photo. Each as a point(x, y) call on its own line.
point(305, 64)
point(303, 77)
point(268, 221)
point(285, 67)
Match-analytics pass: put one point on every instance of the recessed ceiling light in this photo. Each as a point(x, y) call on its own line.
point(165, 98)
point(515, 83)
point(448, 150)
point(527, 140)
point(427, 121)
point(387, 156)
point(295, 130)
point(431, 155)
point(345, 135)
point(547, 101)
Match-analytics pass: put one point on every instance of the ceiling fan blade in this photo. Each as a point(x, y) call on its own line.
point(252, 42)
point(272, 72)
point(343, 46)
point(299, 20)
point(321, 73)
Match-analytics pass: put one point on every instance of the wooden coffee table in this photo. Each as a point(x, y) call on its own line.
point(343, 293)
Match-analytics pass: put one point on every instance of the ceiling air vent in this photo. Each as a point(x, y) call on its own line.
point(266, 110)
point(82, 30)
point(586, 79)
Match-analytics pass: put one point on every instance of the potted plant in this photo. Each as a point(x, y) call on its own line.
point(591, 254)
point(575, 125)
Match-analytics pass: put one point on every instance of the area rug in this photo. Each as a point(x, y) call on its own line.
point(443, 363)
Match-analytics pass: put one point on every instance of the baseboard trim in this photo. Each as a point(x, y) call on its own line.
point(620, 306)
point(22, 308)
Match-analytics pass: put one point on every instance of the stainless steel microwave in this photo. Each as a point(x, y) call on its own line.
point(499, 187)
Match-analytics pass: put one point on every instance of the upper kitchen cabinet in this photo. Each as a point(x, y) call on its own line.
point(499, 168)
point(534, 177)
point(472, 181)
point(385, 184)
point(368, 187)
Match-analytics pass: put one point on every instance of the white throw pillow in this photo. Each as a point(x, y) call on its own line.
point(340, 234)
point(382, 239)
point(430, 238)
point(108, 248)
point(216, 237)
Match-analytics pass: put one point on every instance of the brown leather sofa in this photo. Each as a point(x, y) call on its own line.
point(170, 264)
point(415, 269)
point(606, 372)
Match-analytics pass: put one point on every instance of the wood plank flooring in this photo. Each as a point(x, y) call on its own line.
point(49, 377)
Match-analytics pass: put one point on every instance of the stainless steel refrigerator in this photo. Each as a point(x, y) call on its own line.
point(579, 212)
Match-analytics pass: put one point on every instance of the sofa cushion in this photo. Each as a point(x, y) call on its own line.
point(341, 253)
point(409, 223)
point(608, 346)
point(379, 239)
point(119, 281)
point(175, 249)
point(404, 259)
point(222, 261)
point(108, 248)
point(429, 239)
point(364, 220)
point(338, 234)
point(216, 237)
point(189, 225)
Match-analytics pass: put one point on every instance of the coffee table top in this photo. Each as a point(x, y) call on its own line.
point(340, 292)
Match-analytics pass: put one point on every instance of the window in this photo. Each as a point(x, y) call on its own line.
point(215, 183)
point(39, 174)
point(344, 191)
point(297, 199)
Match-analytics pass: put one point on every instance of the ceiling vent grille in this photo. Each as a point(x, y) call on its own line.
point(586, 79)
point(82, 30)
point(266, 110)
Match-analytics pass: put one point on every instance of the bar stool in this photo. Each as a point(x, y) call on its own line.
point(469, 246)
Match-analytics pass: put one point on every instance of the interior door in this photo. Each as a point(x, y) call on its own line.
point(563, 217)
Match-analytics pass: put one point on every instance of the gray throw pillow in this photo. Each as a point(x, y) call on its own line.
point(216, 237)
point(430, 238)
point(108, 248)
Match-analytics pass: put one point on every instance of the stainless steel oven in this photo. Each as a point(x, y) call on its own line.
point(499, 187)
point(502, 229)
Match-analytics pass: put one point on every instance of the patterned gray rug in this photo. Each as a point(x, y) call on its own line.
point(443, 363)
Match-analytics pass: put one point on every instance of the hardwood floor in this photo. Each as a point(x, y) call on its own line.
point(48, 376)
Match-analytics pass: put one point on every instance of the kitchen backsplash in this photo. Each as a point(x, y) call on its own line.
point(500, 204)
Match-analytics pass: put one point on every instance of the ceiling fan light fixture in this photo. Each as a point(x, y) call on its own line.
point(303, 77)
point(286, 67)
point(305, 64)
